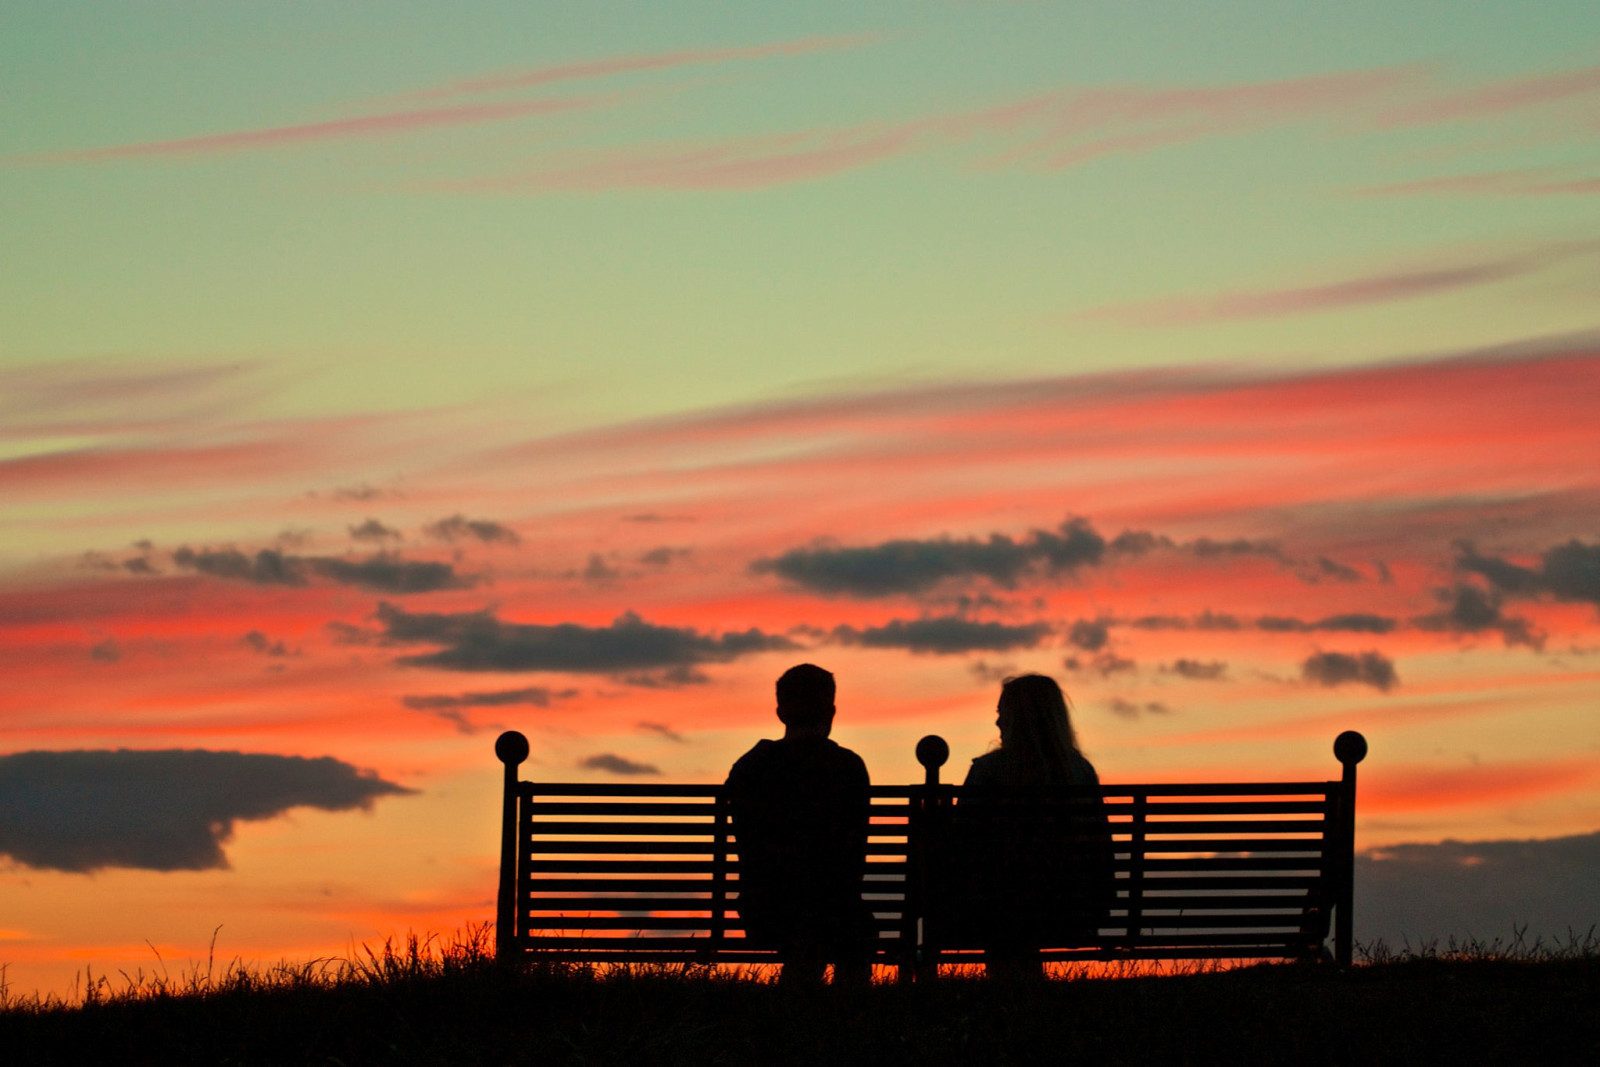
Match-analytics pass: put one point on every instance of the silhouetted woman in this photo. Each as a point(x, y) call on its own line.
point(1037, 854)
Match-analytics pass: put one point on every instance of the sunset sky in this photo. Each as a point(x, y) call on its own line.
point(375, 377)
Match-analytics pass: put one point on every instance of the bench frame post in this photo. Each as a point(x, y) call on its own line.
point(512, 748)
point(1350, 748)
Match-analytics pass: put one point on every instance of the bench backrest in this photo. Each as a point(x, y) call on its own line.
point(650, 872)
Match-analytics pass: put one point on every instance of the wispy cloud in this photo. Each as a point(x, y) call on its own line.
point(1497, 98)
point(1052, 130)
point(403, 116)
point(379, 125)
point(1362, 290)
point(738, 163)
point(637, 63)
point(1527, 181)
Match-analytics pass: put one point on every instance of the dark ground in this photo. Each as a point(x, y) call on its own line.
point(1412, 1011)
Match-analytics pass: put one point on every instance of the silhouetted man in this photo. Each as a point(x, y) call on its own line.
point(800, 812)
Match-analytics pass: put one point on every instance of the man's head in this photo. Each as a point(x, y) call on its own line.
point(805, 700)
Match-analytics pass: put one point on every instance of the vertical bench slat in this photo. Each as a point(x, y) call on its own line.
point(719, 878)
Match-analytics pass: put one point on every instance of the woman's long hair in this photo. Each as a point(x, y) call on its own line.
point(1036, 730)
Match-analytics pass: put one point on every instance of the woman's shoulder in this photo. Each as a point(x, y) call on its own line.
point(1082, 772)
point(988, 769)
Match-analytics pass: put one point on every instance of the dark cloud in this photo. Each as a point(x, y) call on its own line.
point(670, 678)
point(106, 651)
point(984, 671)
point(1141, 542)
point(1105, 664)
point(170, 810)
point(1415, 894)
point(383, 573)
point(946, 635)
point(1470, 610)
point(267, 567)
point(1324, 567)
point(1352, 623)
point(260, 642)
point(360, 493)
point(536, 696)
point(1206, 620)
point(651, 516)
point(597, 572)
point(1206, 548)
point(455, 709)
point(1089, 634)
point(1195, 669)
point(613, 764)
point(1129, 709)
point(1569, 572)
point(459, 527)
point(345, 633)
point(138, 565)
point(661, 729)
point(908, 566)
point(373, 530)
point(477, 641)
point(1337, 668)
point(661, 557)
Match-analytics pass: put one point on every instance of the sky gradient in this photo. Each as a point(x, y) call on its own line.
point(374, 378)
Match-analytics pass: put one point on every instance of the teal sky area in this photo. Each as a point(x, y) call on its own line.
point(408, 267)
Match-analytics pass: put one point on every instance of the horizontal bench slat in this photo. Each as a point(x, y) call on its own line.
point(1217, 790)
point(586, 921)
point(657, 847)
point(539, 792)
point(1234, 846)
point(702, 828)
point(631, 903)
point(1151, 919)
point(634, 866)
point(1158, 808)
point(1231, 863)
point(620, 885)
point(1201, 902)
point(1235, 882)
point(628, 866)
point(624, 808)
point(1231, 826)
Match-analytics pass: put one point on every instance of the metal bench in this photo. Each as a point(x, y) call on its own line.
point(616, 873)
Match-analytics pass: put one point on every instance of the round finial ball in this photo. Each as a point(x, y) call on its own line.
point(1350, 747)
point(511, 747)
point(932, 751)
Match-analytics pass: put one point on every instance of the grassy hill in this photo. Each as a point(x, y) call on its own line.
point(418, 1003)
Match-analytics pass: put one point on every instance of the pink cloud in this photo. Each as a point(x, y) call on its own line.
point(646, 61)
point(1071, 128)
point(1332, 296)
point(1499, 97)
point(1058, 129)
point(743, 163)
point(1532, 181)
point(386, 124)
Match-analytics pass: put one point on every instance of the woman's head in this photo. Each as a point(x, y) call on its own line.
point(1035, 726)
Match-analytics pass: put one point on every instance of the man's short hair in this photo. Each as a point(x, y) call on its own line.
point(805, 695)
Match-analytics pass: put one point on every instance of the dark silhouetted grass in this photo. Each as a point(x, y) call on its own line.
point(434, 1001)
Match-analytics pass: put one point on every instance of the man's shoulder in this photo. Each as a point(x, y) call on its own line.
point(747, 764)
